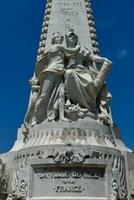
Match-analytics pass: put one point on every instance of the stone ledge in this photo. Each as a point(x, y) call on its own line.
point(83, 132)
point(69, 198)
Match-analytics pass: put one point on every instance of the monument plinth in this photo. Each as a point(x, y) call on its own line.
point(68, 146)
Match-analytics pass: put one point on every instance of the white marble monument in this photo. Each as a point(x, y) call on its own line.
point(68, 146)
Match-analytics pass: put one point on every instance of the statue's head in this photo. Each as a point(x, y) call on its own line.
point(71, 39)
point(57, 38)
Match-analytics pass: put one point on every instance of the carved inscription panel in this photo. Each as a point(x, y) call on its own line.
point(66, 15)
point(68, 181)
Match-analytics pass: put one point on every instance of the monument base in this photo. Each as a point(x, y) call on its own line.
point(71, 198)
point(69, 161)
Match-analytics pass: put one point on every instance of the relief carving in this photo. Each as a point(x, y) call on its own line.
point(60, 72)
point(119, 179)
point(12, 196)
point(132, 193)
point(77, 157)
point(22, 195)
point(19, 187)
point(19, 192)
point(3, 178)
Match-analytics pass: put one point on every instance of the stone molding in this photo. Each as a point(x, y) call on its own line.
point(44, 30)
point(74, 133)
point(92, 29)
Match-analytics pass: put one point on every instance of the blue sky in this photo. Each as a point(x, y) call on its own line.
point(19, 36)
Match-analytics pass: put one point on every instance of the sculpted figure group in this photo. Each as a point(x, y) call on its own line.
point(67, 84)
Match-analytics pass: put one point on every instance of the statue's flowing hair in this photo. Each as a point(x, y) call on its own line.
point(54, 35)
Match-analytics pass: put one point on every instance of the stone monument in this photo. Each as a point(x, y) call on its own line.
point(68, 146)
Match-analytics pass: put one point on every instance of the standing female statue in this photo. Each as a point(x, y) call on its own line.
point(49, 104)
point(68, 70)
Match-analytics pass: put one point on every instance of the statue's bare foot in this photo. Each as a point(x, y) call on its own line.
point(64, 119)
point(33, 123)
point(68, 103)
point(51, 120)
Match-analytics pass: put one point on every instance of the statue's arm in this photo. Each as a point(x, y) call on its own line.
point(68, 50)
point(97, 59)
point(72, 50)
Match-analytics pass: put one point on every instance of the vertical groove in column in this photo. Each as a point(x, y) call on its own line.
point(44, 30)
point(92, 29)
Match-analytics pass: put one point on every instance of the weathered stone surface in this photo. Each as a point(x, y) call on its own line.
point(70, 171)
point(60, 72)
point(84, 132)
point(68, 146)
point(68, 181)
point(130, 157)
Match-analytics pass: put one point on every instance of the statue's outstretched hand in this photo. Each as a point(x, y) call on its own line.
point(99, 59)
point(108, 61)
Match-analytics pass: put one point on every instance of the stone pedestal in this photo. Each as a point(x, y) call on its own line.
point(78, 160)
